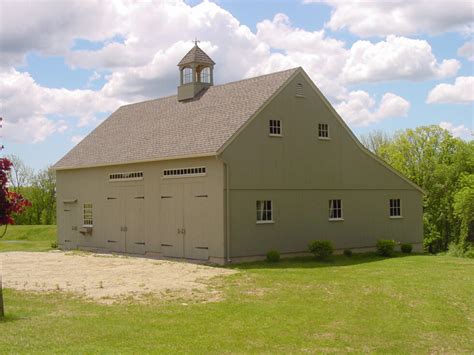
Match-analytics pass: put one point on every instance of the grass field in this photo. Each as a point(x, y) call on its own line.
point(412, 304)
point(28, 238)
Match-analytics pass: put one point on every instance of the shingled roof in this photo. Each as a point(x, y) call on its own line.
point(196, 55)
point(166, 128)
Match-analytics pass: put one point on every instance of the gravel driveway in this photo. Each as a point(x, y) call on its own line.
point(108, 278)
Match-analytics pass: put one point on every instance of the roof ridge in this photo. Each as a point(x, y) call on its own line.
point(215, 86)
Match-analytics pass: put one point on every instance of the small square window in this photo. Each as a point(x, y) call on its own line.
point(335, 209)
point(275, 127)
point(264, 211)
point(395, 207)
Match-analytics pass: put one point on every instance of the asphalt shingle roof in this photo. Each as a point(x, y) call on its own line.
point(166, 128)
point(196, 55)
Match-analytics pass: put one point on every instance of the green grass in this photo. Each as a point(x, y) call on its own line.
point(411, 304)
point(28, 238)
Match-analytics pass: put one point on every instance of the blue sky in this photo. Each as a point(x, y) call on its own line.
point(385, 65)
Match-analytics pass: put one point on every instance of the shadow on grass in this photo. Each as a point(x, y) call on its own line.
point(308, 262)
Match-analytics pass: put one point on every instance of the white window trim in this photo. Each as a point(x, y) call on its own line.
point(267, 221)
point(329, 132)
point(92, 214)
point(179, 176)
point(276, 134)
point(342, 212)
point(401, 214)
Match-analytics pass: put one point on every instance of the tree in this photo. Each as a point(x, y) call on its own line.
point(375, 141)
point(464, 207)
point(20, 175)
point(436, 161)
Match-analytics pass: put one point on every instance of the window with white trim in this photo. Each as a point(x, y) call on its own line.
point(88, 217)
point(129, 176)
point(395, 207)
point(323, 130)
point(264, 211)
point(335, 210)
point(185, 172)
point(205, 75)
point(275, 127)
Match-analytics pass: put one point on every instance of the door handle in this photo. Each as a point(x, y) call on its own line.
point(181, 231)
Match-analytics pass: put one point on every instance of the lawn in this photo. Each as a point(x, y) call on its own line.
point(28, 238)
point(411, 304)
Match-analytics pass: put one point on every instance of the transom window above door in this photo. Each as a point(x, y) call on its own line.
point(275, 128)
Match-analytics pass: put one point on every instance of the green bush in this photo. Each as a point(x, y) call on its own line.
point(54, 245)
point(322, 249)
point(459, 250)
point(273, 256)
point(348, 253)
point(406, 248)
point(385, 247)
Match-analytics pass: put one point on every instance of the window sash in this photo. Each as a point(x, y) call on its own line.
point(264, 211)
point(187, 75)
point(275, 127)
point(88, 218)
point(395, 207)
point(323, 130)
point(335, 209)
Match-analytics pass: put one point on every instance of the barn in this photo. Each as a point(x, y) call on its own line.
point(224, 173)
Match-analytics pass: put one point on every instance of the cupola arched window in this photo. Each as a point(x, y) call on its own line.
point(187, 75)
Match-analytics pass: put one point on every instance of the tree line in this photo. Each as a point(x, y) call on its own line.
point(37, 187)
point(443, 166)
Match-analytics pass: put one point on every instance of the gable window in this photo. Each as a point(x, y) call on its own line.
point(264, 211)
point(185, 172)
point(275, 127)
point(395, 207)
point(187, 75)
point(335, 210)
point(299, 90)
point(323, 131)
point(88, 217)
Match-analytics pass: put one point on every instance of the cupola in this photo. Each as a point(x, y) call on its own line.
point(195, 72)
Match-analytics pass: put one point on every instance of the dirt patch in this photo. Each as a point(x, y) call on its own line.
point(109, 278)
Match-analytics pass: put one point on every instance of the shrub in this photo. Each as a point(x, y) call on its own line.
point(54, 245)
point(406, 248)
point(273, 256)
point(385, 247)
point(348, 253)
point(460, 250)
point(322, 249)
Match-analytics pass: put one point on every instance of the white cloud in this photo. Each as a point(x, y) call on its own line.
point(396, 58)
point(359, 109)
point(76, 139)
point(457, 131)
point(24, 103)
point(461, 92)
point(50, 27)
point(467, 51)
point(382, 18)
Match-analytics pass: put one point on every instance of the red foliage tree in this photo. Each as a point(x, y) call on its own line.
point(10, 202)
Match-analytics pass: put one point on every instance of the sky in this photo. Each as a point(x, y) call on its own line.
point(65, 66)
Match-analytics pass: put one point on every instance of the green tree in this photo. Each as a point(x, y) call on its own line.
point(434, 160)
point(464, 207)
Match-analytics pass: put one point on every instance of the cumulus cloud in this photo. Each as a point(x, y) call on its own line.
point(50, 26)
point(395, 58)
point(457, 131)
point(467, 51)
point(461, 92)
point(381, 18)
point(24, 103)
point(359, 108)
